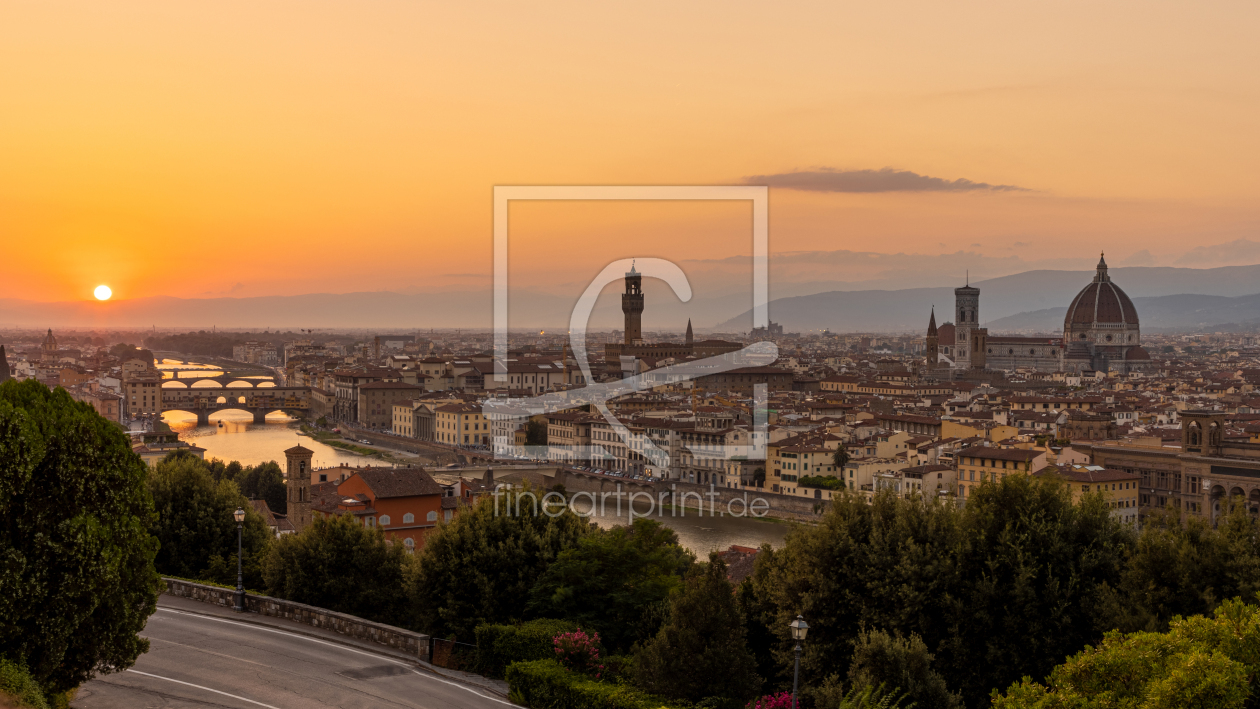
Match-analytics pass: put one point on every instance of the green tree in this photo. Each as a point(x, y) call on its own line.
point(1200, 662)
point(610, 580)
point(265, 482)
point(902, 664)
point(1033, 567)
point(701, 650)
point(890, 564)
point(195, 523)
point(480, 567)
point(1182, 566)
point(343, 566)
point(840, 458)
point(535, 433)
point(77, 580)
point(1004, 587)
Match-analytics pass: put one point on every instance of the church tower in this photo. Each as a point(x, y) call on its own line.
point(932, 345)
point(979, 348)
point(48, 349)
point(632, 306)
point(298, 479)
point(690, 337)
point(966, 319)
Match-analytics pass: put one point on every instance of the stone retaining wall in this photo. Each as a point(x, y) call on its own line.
point(412, 643)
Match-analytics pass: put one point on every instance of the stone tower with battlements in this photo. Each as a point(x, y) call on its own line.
point(632, 306)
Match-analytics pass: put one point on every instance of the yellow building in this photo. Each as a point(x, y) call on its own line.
point(981, 464)
point(142, 394)
point(1118, 488)
point(461, 424)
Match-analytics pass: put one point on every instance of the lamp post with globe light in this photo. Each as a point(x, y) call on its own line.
point(799, 629)
point(239, 515)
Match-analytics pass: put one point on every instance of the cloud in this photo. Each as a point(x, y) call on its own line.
point(237, 288)
point(1234, 253)
point(828, 179)
point(1141, 258)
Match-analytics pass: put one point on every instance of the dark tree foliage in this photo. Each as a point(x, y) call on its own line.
point(264, 482)
point(480, 567)
point(902, 665)
point(213, 344)
point(1007, 586)
point(341, 565)
point(195, 524)
point(610, 580)
point(535, 433)
point(840, 458)
point(1184, 566)
point(77, 580)
point(701, 650)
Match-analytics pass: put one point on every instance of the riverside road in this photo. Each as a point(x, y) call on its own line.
point(203, 656)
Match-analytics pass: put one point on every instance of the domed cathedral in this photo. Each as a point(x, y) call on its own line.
point(48, 348)
point(1100, 333)
point(1101, 330)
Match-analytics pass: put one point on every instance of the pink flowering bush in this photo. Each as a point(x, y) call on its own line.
point(579, 652)
point(782, 700)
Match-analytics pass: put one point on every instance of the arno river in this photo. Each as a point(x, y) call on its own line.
point(232, 435)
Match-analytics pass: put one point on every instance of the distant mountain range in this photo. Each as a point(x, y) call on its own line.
point(1034, 300)
point(1166, 312)
point(1166, 298)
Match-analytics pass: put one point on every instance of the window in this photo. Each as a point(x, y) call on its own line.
point(409, 518)
point(409, 543)
point(432, 517)
point(446, 515)
point(384, 520)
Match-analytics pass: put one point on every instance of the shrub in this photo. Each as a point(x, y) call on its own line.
point(579, 652)
point(824, 481)
point(782, 700)
point(16, 683)
point(500, 645)
point(545, 684)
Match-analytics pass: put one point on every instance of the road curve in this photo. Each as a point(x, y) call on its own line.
point(197, 660)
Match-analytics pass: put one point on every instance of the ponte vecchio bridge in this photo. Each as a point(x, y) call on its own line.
point(204, 396)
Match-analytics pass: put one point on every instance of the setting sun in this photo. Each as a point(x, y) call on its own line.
point(103, 292)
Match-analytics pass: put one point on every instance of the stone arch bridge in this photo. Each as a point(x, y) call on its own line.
point(259, 401)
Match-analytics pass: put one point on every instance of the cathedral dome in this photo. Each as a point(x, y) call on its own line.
point(1100, 303)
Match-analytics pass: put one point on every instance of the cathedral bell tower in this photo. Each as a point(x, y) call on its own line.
point(632, 306)
point(297, 475)
point(966, 319)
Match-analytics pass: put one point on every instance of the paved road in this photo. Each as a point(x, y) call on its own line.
point(202, 661)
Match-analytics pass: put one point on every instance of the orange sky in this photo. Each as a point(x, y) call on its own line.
point(246, 148)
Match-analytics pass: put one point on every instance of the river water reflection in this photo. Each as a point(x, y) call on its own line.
point(239, 438)
point(701, 534)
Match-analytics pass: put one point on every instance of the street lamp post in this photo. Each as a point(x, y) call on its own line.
point(239, 515)
point(799, 629)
